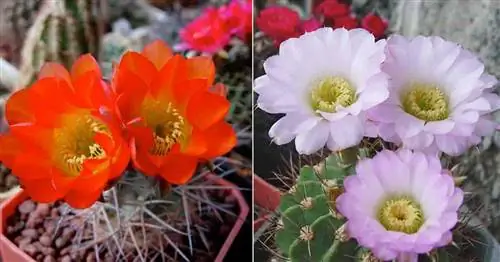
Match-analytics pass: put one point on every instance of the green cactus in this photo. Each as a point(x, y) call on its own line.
point(311, 229)
point(61, 32)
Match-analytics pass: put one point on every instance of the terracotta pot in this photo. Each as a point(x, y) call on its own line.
point(10, 252)
point(267, 197)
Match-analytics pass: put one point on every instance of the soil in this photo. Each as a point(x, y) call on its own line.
point(33, 229)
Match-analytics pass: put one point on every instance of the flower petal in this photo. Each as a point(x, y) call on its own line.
point(220, 139)
point(313, 139)
point(345, 133)
point(201, 67)
point(54, 70)
point(81, 200)
point(196, 144)
point(83, 65)
point(205, 109)
point(139, 65)
point(178, 169)
point(158, 53)
point(18, 107)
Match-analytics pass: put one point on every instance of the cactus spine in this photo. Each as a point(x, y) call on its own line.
point(62, 31)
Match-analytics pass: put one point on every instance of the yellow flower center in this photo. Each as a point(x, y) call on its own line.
point(168, 125)
point(74, 142)
point(330, 92)
point(426, 102)
point(401, 214)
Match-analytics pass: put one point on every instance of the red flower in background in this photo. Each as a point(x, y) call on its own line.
point(374, 24)
point(347, 22)
point(279, 23)
point(207, 33)
point(237, 18)
point(331, 9)
point(310, 25)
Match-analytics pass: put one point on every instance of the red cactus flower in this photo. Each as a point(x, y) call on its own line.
point(374, 24)
point(331, 9)
point(175, 118)
point(347, 22)
point(237, 18)
point(63, 140)
point(207, 33)
point(310, 25)
point(279, 23)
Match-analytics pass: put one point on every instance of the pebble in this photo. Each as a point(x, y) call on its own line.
point(64, 251)
point(29, 232)
point(27, 207)
point(66, 258)
point(54, 213)
point(48, 251)
point(49, 226)
point(46, 241)
point(25, 241)
point(39, 257)
point(18, 239)
point(61, 241)
point(43, 209)
point(68, 232)
point(29, 249)
point(49, 259)
point(90, 257)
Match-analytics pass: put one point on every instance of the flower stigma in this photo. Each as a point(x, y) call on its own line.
point(74, 142)
point(167, 123)
point(426, 102)
point(401, 214)
point(331, 92)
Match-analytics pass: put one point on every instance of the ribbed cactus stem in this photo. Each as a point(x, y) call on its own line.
point(312, 228)
point(62, 31)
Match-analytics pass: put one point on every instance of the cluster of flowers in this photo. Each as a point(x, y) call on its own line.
point(281, 23)
point(426, 95)
point(214, 28)
point(71, 134)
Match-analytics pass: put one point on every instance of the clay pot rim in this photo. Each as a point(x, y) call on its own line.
point(266, 196)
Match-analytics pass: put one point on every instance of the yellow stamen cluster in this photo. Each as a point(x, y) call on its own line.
point(426, 102)
point(401, 214)
point(74, 142)
point(331, 92)
point(167, 123)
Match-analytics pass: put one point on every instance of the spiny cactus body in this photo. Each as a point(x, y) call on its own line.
point(61, 32)
point(311, 228)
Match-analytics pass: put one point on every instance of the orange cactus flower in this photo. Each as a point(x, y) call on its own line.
point(174, 117)
point(64, 141)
